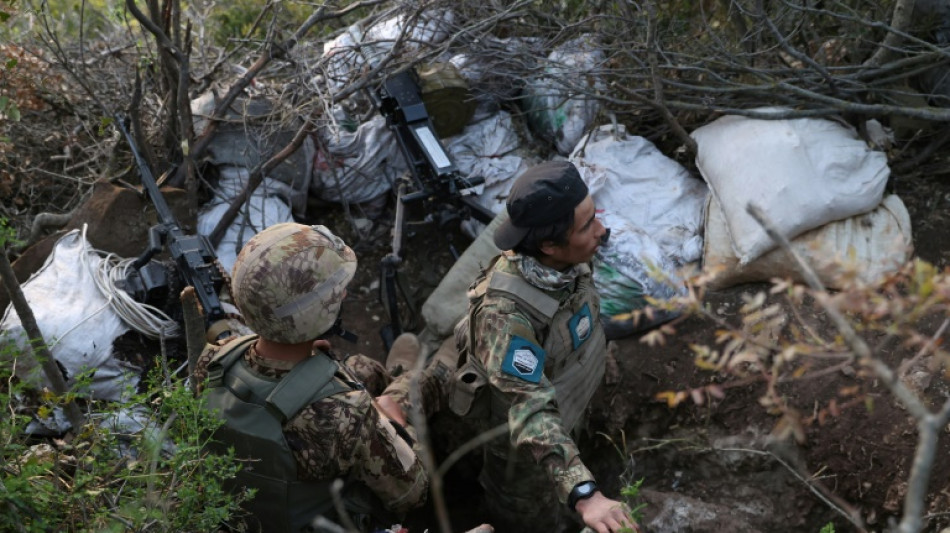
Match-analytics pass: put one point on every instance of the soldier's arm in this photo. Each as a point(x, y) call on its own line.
point(387, 464)
point(345, 434)
point(534, 419)
point(201, 364)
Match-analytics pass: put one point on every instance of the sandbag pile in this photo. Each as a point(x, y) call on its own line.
point(818, 183)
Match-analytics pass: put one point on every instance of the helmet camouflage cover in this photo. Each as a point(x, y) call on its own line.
point(288, 281)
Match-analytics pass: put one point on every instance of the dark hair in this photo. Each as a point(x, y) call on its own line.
point(558, 233)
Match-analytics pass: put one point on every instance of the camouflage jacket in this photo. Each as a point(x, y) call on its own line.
point(343, 436)
point(500, 327)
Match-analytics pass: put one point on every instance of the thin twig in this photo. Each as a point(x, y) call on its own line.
point(907, 365)
point(37, 345)
point(929, 425)
point(418, 420)
point(830, 499)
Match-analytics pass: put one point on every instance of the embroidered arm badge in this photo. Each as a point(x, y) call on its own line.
point(580, 326)
point(524, 360)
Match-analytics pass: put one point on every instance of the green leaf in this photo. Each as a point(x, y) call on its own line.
point(104, 124)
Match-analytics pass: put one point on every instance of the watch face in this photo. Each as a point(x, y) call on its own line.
point(584, 489)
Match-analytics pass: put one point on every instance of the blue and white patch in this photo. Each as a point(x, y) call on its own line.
point(524, 360)
point(581, 325)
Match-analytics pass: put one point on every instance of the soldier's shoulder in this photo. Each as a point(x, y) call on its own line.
point(354, 401)
point(500, 304)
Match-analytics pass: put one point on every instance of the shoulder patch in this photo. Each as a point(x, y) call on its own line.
point(524, 360)
point(580, 326)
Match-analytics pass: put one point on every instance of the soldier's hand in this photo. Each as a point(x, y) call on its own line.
point(390, 409)
point(604, 515)
point(321, 345)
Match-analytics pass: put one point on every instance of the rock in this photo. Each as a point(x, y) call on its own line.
point(678, 513)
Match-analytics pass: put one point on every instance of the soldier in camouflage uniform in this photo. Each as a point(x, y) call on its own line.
point(298, 416)
point(531, 354)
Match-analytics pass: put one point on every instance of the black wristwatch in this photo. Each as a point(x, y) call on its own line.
point(581, 491)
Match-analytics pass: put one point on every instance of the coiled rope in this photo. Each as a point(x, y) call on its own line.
point(143, 318)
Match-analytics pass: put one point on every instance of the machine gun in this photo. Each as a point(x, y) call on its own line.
point(433, 181)
point(148, 281)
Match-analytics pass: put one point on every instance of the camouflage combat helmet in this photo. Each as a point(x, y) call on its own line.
point(289, 280)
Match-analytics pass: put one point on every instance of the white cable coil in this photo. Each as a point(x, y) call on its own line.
point(143, 318)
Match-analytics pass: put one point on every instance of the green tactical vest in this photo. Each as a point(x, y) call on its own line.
point(255, 409)
point(574, 366)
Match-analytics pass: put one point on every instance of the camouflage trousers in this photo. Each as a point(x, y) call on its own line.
point(519, 495)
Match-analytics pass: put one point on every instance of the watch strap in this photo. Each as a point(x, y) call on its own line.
point(581, 491)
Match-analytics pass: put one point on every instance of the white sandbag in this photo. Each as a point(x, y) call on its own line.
point(252, 132)
point(494, 70)
point(76, 320)
point(345, 56)
point(432, 26)
point(803, 173)
point(489, 149)
point(356, 166)
point(559, 112)
point(629, 177)
point(630, 267)
point(865, 246)
point(263, 209)
point(342, 57)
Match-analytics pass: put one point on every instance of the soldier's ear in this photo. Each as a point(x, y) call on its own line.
point(549, 247)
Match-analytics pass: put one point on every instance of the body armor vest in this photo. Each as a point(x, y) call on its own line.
point(255, 409)
point(570, 333)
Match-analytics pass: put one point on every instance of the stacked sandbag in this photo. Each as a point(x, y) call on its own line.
point(860, 248)
point(818, 183)
point(561, 104)
point(653, 207)
point(803, 173)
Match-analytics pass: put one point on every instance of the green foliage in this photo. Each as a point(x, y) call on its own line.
point(8, 107)
point(236, 20)
point(828, 528)
point(631, 495)
point(630, 488)
point(67, 17)
point(159, 478)
point(7, 234)
point(246, 19)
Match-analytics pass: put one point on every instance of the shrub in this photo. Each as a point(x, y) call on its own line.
point(139, 466)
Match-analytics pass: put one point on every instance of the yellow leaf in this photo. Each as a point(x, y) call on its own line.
point(671, 398)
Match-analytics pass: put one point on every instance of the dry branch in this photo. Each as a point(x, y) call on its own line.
point(37, 345)
point(929, 424)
